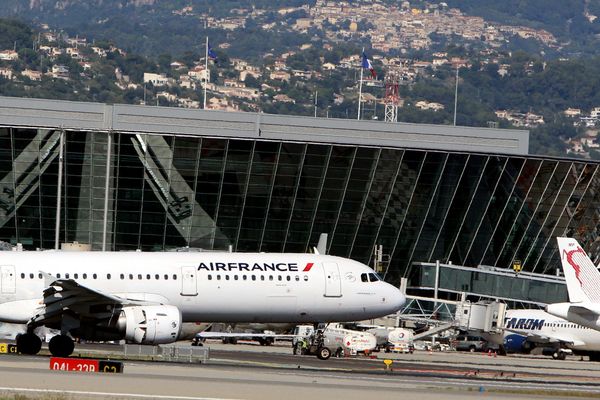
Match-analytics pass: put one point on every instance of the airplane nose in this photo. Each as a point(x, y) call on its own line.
point(396, 298)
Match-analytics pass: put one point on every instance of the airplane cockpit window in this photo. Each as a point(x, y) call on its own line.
point(364, 278)
point(373, 277)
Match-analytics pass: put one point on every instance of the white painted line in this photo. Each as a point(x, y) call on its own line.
point(108, 394)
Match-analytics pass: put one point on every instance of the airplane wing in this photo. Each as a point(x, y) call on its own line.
point(543, 339)
point(67, 296)
point(241, 335)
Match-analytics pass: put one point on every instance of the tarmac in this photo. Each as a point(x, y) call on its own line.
point(248, 371)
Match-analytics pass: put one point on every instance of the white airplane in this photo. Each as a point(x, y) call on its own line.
point(526, 329)
point(145, 297)
point(583, 286)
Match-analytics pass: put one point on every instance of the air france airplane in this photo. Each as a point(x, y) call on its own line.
point(526, 329)
point(583, 285)
point(145, 297)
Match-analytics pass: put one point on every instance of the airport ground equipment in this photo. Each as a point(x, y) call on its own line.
point(335, 338)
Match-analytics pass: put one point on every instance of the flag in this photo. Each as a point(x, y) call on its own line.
point(366, 63)
point(211, 54)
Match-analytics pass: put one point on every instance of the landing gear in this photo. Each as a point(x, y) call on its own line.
point(61, 346)
point(29, 343)
point(559, 355)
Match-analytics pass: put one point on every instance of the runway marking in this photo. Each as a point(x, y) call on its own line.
point(108, 394)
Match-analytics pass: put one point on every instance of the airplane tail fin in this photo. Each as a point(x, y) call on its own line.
point(582, 276)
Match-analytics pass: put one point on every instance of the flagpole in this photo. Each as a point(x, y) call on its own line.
point(360, 83)
point(206, 75)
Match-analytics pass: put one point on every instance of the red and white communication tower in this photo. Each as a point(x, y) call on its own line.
point(392, 96)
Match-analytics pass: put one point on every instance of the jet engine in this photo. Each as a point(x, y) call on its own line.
point(150, 324)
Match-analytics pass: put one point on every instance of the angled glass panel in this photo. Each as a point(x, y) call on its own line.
point(264, 164)
point(419, 205)
point(496, 206)
point(308, 193)
point(438, 211)
point(477, 208)
point(534, 193)
point(282, 198)
point(235, 181)
point(395, 214)
point(357, 189)
point(541, 214)
point(458, 208)
point(376, 204)
point(330, 201)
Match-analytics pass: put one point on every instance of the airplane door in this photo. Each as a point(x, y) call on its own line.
point(333, 283)
point(7, 279)
point(188, 281)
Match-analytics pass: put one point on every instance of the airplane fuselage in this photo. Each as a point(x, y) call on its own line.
point(205, 286)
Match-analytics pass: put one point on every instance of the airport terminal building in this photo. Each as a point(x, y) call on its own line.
point(122, 177)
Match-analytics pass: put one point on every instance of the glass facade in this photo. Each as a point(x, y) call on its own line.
point(169, 191)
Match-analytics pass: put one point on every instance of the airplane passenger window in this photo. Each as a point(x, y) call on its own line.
point(94, 276)
point(235, 277)
point(122, 276)
point(22, 275)
point(218, 277)
point(67, 276)
point(253, 277)
point(139, 276)
point(226, 277)
point(130, 276)
point(84, 276)
point(174, 277)
point(270, 277)
point(30, 276)
point(148, 276)
point(157, 276)
point(107, 276)
point(245, 277)
point(57, 276)
point(166, 277)
point(210, 277)
point(289, 278)
point(40, 275)
point(364, 278)
point(262, 277)
point(76, 276)
point(279, 277)
point(297, 278)
point(305, 277)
